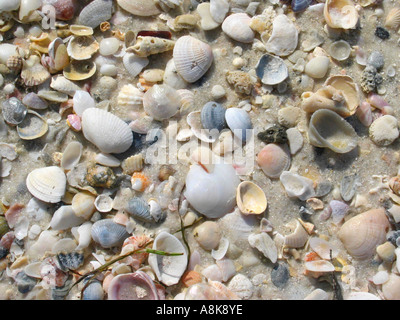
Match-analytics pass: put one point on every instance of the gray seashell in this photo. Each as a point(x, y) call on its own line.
point(213, 116)
point(323, 188)
point(14, 111)
point(59, 293)
point(376, 59)
point(93, 291)
point(108, 234)
point(33, 101)
point(139, 209)
point(340, 50)
point(24, 282)
point(70, 261)
point(280, 275)
point(95, 13)
point(348, 187)
point(239, 122)
point(271, 70)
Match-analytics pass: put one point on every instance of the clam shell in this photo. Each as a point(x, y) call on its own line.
point(108, 234)
point(161, 102)
point(103, 203)
point(208, 235)
point(14, 111)
point(94, 291)
point(284, 37)
point(236, 26)
point(340, 50)
point(32, 127)
point(392, 20)
point(95, 13)
point(107, 160)
point(219, 9)
point(222, 249)
point(82, 47)
point(192, 58)
point(273, 160)
point(71, 155)
point(82, 101)
point(250, 198)
point(364, 232)
point(340, 14)
point(33, 73)
point(213, 116)
point(271, 70)
point(139, 209)
point(297, 186)
point(319, 266)
point(79, 70)
point(168, 269)
point(53, 96)
point(143, 8)
point(105, 130)
point(79, 30)
point(63, 85)
point(134, 64)
point(172, 77)
point(33, 101)
point(47, 184)
point(146, 46)
point(83, 205)
point(238, 120)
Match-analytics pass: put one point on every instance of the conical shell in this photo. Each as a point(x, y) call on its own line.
point(47, 184)
point(340, 14)
point(192, 58)
point(364, 232)
point(250, 198)
point(105, 130)
point(146, 46)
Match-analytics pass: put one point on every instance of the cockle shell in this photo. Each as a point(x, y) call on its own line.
point(340, 14)
point(392, 20)
point(297, 186)
point(47, 184)
point(250, 198)
point(168, 269)
point(95, 13)
point(143, 8)
point(236, 26)
point(192, 58)
point(79, 70)
point(364, 232)
point(82, 47)
point(134, 64)
point(273, 159)
point(105, 130)
point(83, 205)
point(213, 116)
point(32, 127)
point(161, 102)
point(108, 234)
point(284, 37)
point(33, 73)
point(146, 46)
point(329, 130)
point(139, 209)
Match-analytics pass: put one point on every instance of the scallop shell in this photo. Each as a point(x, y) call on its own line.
point(32, 127)
point(82, 47)
point(297, 186)
point(63, 85)
point(139, 209)
point(71, 155)
point(364, 232)
point(168, 269)
point(340, 14)
point(250, 198)
point(271, 70)
point(340, 50)
point(47, 184)
point(298, 238)
point(33, 73)
point(130, 97)
point(161, 102)
point(273, 159)
point(143, 8)
point(392, 20)
point(105, 130)
point(284, 37)
point(238, 120)
point(328, 130)
point(79, 30)
point(146, 46)
point(108, 234)
point(95, 13)
point(79, 70)
point(192, 58)
point(134, 64)
point(236, 26)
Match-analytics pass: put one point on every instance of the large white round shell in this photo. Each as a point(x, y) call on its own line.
point(105, 130)
point(192, 58)
point(47, 184)
point(297, 186)
point(161, 102)
point(168, 269)
point(236, 26)
point(284, 38)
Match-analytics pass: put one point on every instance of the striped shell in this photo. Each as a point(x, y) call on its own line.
point(140, 209)
point(130, 97)
point(392, 20)
point(108, 234)
point(298, 238)
point(133, 164)
point(95, 13)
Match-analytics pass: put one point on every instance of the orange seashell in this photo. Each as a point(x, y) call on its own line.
point(190, 278)
point(139, 181)
point(311, 256)
point(394, 184)
point(134, 243)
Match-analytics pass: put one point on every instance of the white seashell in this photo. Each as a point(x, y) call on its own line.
point(241, 286)
point(107, 160)
point(192, 58)
point(273, 159)
point(109, 46)
point(212, 272)
point(207, 22)
point(109, 70)
point(71, 155)
point(227, 267)
point(103, 203)
point(83, 205)
point(168, 269)
point(7, 50)
point(146, 46)
point(319, 266)
point(392, 19)
point(62, 84)
point(380, 277)
point(239, 225)
point(134, 64)
point(82, 101)
point(340, 14)
point(142, 8)
point(238, 120)
point(317, 294)
point(390, 288)
point(105, 130)
point(65, 218)
point(271, 70)
point(384, 130)
point(223, 247)
point(284, 37)
point(130, 97)
point(27, 7)
point(194, 121)
point(33, 270)
point(295, 139)
point(297, 186)
point(143, 125)
point(8, 6)
point(64, 245)
point(212, 193)
point(208, 235)
point(323, 248)
point(84, 235)
point(361, 296)
point(236, 26)
point(263, 243)
point(155, 210)
point(219, 9)
point(250, 198)
point(317, 67)
point(161, 102)
point(298, 238)
point(340, 50)
point(172, 77)
point(47, 184)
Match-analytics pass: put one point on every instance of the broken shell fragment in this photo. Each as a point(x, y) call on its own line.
point(251, 198)
point(146, 46)
point(271, 70)
point(14, 111)
point(263, 242)
point(32, 127)
point(297, 186)
point(284, 37)
point(340, 14)
point(298, 238)
point(79, 70)
point(33, 73)
point(71, 155)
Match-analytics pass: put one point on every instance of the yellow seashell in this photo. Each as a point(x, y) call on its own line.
point(392, 20)
point(250, 198)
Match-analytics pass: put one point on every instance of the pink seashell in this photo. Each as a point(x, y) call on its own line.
point(74, 121)
point(133, 243)
point(13, 213)
point(364, 113)
point(377, 101)
point(7, 240)
point(107, 280)
point(51, 274)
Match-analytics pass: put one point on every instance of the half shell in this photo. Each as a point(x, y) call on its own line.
point(82, 47)
point(238, 120)
point(340, 14)
point(284, 37)
point(32, 127)
point(79, 70)
point(108, 234)
point(251, 198)
point(236, 26)
point(392, 20)
point(273, 160)
point(271, 70)
point(95, 13)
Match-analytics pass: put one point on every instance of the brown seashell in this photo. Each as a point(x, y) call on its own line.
point(158, 34)
point(104, 26)
point(190, 278)
point(394, 184)
point(392, 20)
point(15, 63)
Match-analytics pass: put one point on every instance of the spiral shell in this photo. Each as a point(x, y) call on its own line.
point(146, 46)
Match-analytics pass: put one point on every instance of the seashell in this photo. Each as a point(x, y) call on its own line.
point(70, 261)
point(134, 64)
point(33, 101)
point(236, 26)
point(27, 9)
point(168, 269)
point(32, 127)
point(297, 186)
point(95, 13)
point(194, 121)
point(7, 50)
point(105, 130)
point(338, 211)
point(71, 155)
point(133, 286)
point(250, 198)
point(213, 116)
point(323, 248)
point(100, 177)
point(340, 50)
point(390, 289)
point(271, 70)
point(340, 14)
point(192, 58)
point(47, 184)
point(139, 209)
point(328, 130)
point(82, 101)
point(263, 243)
point(280, 275)
point(14, 111)
point(284, 37)
point(109, 46)
point(348, 187)
point(103, 203)
point(8, 6)
point(207, 22)
point(133, 164)
point(80, 30)
point(155, 210)
point(93, 291)
point(212, 193)
point(146, 46)
point(33, 73)
point(130, 97)
point(83, 205)
point(53, 96)
point(219, 9)
point(8, 151)
point(107, 160)
point(394, 184)
point(364, 232)
point(319, 266)
point(82, 47)
point(74, 122)
point(167, 5)
point(15, 63)
point(64, 9)
point(222, 249)
point(298, 238)
point(384, 130)
point(139, 181)
point(273, 159)
point(143, 8)
point(142, 125)
point(65, 218)
point(208, 235)
point(161, 102)
point(317, 67)
point(63, 85)
point(392, 20)
point(79, 70)
point(238, 120)
point(108, 234)
point(300, 5)
point(172, 77)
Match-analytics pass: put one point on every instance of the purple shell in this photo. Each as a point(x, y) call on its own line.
point(300, 5)
point(33, 101)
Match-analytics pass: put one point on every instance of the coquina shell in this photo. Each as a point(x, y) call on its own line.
point(340, 14)
point(192, 58)
point(364, 232)
point(251, 198)
point(108, 234)
point(284, 37)
point(105, 130)
point(47, 184)
point(161, 102)
point(168, 269)
point(236, 26)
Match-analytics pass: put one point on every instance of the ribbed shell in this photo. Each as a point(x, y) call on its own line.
point(105, 130)
point(392, 20)
point(130, 97)
point(238, 120)
point(108, 234)
point(273, 160)
point(192, 58)
point(143, 8)
point(213, 116)
point(139, 209)
point(94, 291)
point(95, 13)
